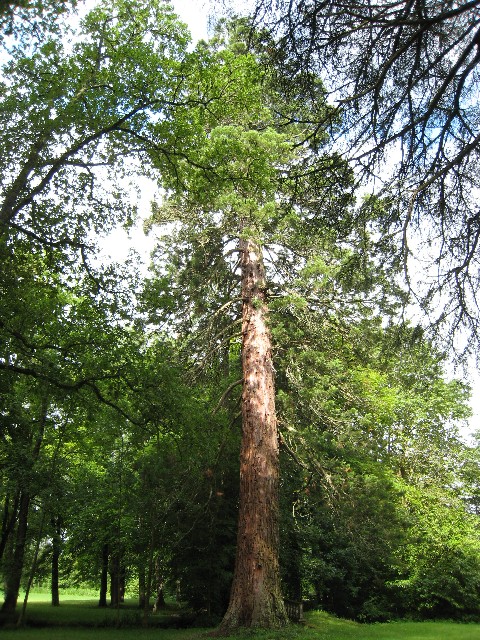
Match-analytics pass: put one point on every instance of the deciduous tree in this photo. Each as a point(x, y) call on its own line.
point(74, 121)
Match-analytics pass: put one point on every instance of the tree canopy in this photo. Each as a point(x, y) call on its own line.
point(405, 78)
point(269, 323)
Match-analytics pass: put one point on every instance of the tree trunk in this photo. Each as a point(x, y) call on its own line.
point(122, 583)
point(148, 580)
point(102, 602)
point(31, 576)
point(142, 587)
point(255, 598)
point(9, 519)
point(117, 580)
point(160, 597)
point(56, 545)
point(14, 574)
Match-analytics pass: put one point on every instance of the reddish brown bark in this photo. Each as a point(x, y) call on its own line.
point(256, 599)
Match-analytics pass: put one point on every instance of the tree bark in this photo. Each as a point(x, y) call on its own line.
point(14, 574)
point(122, 583)
point(56, 548)
point(159, 582)
point(9, 519)
point(117, 579)
point(102, 602)
point(255, 598)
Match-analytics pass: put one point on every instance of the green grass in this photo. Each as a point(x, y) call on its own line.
point(325, 627)
point(80, 609)
point(79, 618)
point(101, 634)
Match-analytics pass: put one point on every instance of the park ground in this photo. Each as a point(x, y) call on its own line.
point(79, 618)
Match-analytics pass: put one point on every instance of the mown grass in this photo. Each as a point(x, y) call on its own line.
point(80, 619)
point(325, 627)
point(59, 633)
point(86, 613)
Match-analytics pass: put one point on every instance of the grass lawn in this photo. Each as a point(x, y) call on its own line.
point(325, 627)
point(86, 613)
point(79, 618)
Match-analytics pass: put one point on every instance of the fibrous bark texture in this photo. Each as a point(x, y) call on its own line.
point(256, 599)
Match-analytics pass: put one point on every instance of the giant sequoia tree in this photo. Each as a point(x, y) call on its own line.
point(244, 228)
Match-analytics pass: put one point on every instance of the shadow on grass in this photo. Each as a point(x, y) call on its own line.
point(87, 614)
point(78, 620)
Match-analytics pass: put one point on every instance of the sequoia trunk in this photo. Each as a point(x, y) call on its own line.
point(256, 599)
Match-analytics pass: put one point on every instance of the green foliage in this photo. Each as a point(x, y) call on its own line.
point(202, 558)
point(347, 526)
point(27, 20)
point(77, 121)
point(366, 416)
point(440, 556)
point(119, 421)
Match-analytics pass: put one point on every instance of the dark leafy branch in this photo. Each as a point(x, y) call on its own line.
point(404, 76)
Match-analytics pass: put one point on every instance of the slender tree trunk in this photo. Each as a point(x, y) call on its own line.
point(31, 575)
point(9, 519)
point(142, 586)
point(56, 540)
point(116, 580)
point(14, 574)
point(148, 581)
point(122, 583)
point(255, 598)
point(102, 602)
point(159, 598)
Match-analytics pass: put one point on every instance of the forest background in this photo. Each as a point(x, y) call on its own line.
point(121, 392)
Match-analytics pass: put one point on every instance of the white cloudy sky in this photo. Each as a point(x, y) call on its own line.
point(195, 14)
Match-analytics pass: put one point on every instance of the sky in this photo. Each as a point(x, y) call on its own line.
point(195, 14)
